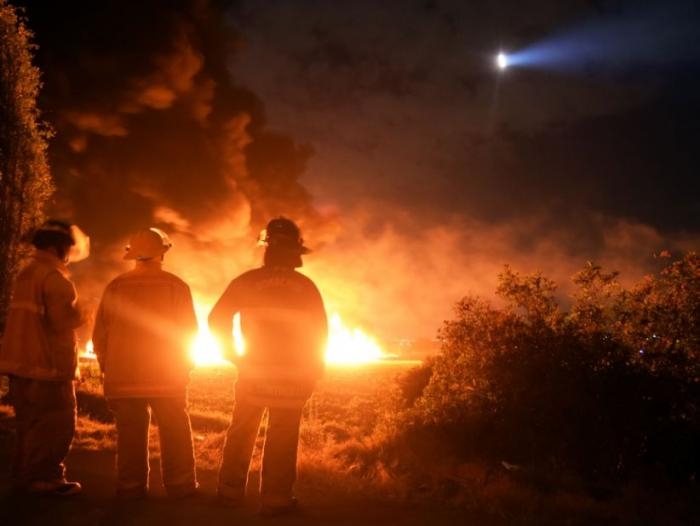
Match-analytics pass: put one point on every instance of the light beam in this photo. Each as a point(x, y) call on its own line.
point(660, 35)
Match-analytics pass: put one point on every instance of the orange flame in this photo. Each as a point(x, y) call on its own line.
point(345, 346)
point(350, 346)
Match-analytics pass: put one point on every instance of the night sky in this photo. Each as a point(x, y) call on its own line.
point(414, 167)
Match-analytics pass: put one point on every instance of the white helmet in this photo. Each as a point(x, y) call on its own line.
point(147, 244)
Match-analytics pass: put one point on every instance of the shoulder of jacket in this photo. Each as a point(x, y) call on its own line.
point(304, 278)
point(55, 275)
point(119, 281)
point(114, 282)
point(175, 279)
point(248, 276)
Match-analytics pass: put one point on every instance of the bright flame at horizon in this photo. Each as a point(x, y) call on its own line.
point(206, 350)
point(346, 346)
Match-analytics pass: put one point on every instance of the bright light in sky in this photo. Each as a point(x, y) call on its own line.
point(502, 60)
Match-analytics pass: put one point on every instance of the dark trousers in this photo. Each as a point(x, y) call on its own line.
point(45, 413)
point(279, 452)
point(133, 416)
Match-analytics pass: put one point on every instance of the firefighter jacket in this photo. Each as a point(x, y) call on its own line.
point(39, 341)
point(284, 327)
point(143, 332)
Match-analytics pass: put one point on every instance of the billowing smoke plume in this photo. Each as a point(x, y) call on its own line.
point(152, 129)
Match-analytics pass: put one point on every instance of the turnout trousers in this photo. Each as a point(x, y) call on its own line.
point(279, 457)
point(133, 416)
point(45, 413)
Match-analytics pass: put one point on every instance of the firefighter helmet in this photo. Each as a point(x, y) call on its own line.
point(148, 244)
point(283, 233)
point(51, 233)
point(68, 240)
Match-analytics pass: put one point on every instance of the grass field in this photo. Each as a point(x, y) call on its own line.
point(342, 452)
point(337, 433)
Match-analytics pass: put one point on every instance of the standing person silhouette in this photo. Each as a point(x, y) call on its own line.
point(284, 326)
point(39, 352)
point(143, 330)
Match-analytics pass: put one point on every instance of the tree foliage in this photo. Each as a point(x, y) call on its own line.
point(608, 388)
point(25, 181)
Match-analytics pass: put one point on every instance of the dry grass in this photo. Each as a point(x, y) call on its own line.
point(341, 453)
point(337, 433)
point(343, 412)
point(93, 435)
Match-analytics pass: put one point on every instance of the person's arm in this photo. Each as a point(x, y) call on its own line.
point(99, 332)
point(221, 321)
point(318, 329)
point(321, 321)
point(61, 301)
point(187, 325)
point(62, 315)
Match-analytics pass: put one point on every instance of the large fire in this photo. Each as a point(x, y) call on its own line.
point(346, 346)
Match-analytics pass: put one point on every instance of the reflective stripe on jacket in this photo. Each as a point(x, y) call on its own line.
point(39, 340)
point(144, 328)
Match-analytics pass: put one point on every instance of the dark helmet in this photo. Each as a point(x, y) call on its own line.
point(283, 233)
point(148, 244)
point(53, 233)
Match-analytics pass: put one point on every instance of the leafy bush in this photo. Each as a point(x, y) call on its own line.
point(25, 180)
point(606, 389)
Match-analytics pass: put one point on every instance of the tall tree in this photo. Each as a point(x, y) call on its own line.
point(25, 180)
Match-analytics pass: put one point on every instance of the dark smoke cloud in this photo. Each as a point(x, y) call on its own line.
point(152, 129)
